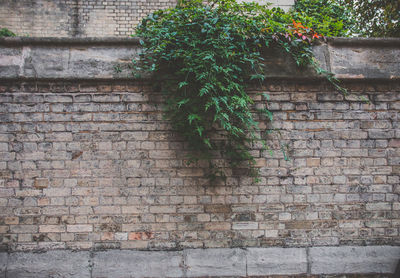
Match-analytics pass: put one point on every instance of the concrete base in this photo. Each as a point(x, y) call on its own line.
point(202, 262)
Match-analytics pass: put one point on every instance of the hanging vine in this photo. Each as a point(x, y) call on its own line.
point(204, 55)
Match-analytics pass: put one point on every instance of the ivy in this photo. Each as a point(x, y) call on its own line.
point(204, 55)
point(378, 18)
point(327, 17)
point(4, 32)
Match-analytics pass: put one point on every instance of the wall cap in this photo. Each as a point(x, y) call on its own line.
point(24, 58)
point(25, 41)
point(86, 41)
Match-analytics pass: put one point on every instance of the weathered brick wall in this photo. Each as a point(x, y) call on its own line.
point(44, 18)
point(71, 18)
point(87, 161)
point(93, 165)
point(82, 18)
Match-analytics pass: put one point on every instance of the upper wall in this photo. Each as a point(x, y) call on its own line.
point(82, 18)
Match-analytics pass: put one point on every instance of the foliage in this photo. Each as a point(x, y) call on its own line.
point(4, 32)
point(204, 54)
point(377, 18)
point(370, 18)
point(327, 17)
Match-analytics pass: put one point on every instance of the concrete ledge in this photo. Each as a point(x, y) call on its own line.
point(109, 58)
point(221, 262)
point(53, 41)
point(350, 259)
point(215, 262)
point(3, 264)
point(125, 263)
point(365, 42)
point(66, 62)
point(276, 261)
point(49, 264)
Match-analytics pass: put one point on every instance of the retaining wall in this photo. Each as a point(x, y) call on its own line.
point(87, 163)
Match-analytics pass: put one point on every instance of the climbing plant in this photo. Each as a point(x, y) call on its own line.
point(4, 32)
point(204, 54)
point(377, 18)
point(327, 17)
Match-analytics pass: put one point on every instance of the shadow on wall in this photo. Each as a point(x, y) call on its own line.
point(76, 18)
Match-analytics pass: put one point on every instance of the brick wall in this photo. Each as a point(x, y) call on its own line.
point(87, 161)
point(42, 18)
point(116, 17)
point(82, 18)
point(94, 165)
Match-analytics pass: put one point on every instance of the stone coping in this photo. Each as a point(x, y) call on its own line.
point(366, 42)
point(109, 58)
point(220, 262)
point(54, 41)
point(25, 41)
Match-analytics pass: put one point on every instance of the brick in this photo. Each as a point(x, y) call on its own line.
point(295, 225)
point(107, 210)
point(163, 209)
point(378, 206)
point(121, 236)
point(25, 192)
point(303, 97)
point(217, 208)
point(23, 229)
point(217, 226)
point(79, 228)
point(380, 134)
point(134, 209)
point(394, 143)
point(54, 192)
point(41, 183)
point(11, 220)
point(245, 226)
point(135, 236)
point(313, 162)
point(51, 229)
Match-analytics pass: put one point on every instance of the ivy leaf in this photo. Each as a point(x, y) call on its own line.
point(203, 91)
point(193, 117)
point(269, 115)
point(182, 84)
point(267, 97)
point(182, 102)
point(207, 143)
point(257, 76)
point(200, 130)
point(284, 152)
